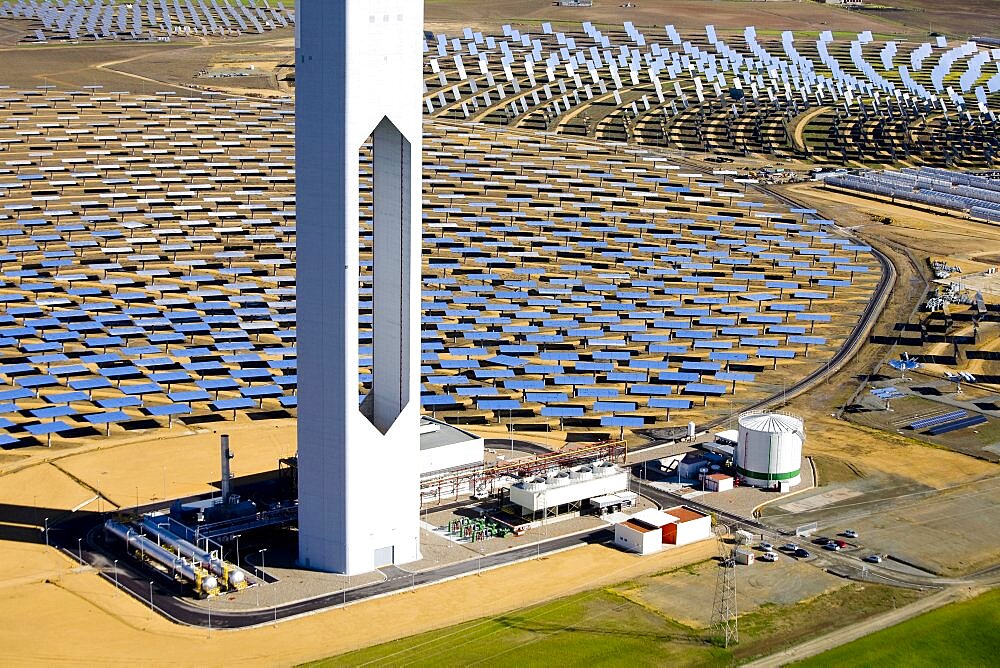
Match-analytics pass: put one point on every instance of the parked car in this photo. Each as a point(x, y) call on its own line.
point(851, 533)
point(833, 547)
point(769, 556)
point(874, 558)
point(803, 553)
point(790, 547)
point(766, 547)
point(841, 543)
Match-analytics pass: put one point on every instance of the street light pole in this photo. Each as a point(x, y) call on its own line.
point(262, 573)
point(79, 549)
point(116, 574)
point(237, 537)
point(510, 425)
point(150, 595)
point(46, 532)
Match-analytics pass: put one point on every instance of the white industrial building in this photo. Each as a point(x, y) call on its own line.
point(689, 526)
point(444, 446)
point(718, 482)
point(643, 532)
point(569, 489)
point(727, 437)
point(769, 450)
point(649, 530)
point(724, 443)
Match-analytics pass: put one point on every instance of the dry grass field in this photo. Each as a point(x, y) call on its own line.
point(70, 609)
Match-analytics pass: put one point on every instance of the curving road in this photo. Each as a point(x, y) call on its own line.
point(857, 336)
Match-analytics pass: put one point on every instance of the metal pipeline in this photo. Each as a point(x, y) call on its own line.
point(233, 576)
point(150, 549)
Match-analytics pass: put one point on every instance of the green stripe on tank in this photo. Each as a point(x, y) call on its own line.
point(757, 475)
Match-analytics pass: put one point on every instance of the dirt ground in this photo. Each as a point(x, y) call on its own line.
point(931, 398)
point(686, 595)
point(71, 610)
point(174, 467)
point(138, 67)
point(161, 467)
point(927, 234)
point(966, 18)
point(869, 450)
point(952, 532)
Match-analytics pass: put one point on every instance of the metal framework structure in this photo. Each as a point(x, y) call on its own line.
point(725, 619)
point(471, 478)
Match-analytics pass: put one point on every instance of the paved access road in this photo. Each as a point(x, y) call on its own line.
point(168, 596)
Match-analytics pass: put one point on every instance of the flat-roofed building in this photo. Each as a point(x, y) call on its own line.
point(689, 526)
point(649, 530)
point(568, 490)
point(643, 532)
point(444, 446)
point(718, 482)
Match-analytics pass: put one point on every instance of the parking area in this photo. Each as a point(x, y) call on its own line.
point(954, 531)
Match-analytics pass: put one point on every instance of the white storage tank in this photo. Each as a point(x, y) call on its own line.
point(769, 449)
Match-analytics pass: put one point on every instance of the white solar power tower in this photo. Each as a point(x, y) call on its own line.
point(359, 73)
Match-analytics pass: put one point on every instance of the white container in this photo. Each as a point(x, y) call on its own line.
point(769, 450)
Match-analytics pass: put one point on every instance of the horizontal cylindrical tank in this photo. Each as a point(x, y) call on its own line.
point(161, 555)
point(769, 449)
point(212, 562)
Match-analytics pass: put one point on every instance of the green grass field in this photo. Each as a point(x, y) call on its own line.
point(604, 628)
point(596, 628)
point(961, 634)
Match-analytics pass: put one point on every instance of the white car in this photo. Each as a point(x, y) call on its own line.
point(874, 558)
point(851, 533)
point(766, 547)
point(769, 556)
